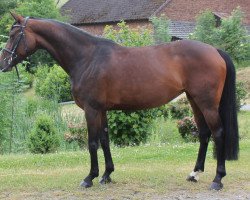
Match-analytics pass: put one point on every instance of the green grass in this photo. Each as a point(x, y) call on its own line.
point(146, 170)
point(155, 168)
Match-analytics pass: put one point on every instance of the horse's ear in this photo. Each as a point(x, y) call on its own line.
point(17, 17)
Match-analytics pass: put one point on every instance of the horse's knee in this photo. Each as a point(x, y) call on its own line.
point(93, 146)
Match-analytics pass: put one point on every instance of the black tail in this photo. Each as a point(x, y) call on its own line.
point(228, 111)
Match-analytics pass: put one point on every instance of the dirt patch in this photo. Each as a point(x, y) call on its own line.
point(130, 192)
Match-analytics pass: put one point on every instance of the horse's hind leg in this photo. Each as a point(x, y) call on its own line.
point(204, 135)
point(215, 125)
point(104, 139)
point(209, 107)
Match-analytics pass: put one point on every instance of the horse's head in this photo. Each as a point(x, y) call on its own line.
point(21, 43)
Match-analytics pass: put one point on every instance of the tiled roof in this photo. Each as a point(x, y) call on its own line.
point(98, 11)
point(181, 29)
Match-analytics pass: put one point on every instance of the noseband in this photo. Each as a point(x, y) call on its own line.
point(13, 55)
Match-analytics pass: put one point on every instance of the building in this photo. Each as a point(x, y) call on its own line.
point(93, 15)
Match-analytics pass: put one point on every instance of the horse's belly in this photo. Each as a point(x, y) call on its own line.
point(144, 98)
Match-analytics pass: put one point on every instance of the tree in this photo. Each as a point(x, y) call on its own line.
point(205, 29)
point(127, 36)
point(230, 36)
point(161, 29)
point(233, 38)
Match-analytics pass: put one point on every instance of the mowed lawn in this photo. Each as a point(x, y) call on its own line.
point(143, 172)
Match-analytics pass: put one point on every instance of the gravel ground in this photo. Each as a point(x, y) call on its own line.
point(129, 192)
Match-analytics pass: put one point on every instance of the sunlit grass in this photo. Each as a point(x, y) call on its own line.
point(150, 169)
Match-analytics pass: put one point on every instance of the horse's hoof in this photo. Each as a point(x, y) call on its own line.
point(86, 184)
point(105, 180)
point(192, 179)
point(216, 186)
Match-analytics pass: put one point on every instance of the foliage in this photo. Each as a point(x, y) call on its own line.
point(76, 129)
point(241, 94)
point(180, 109)
point(188, 129)
point(230, 36)
point(128, 37)
point(53, 83)
point(233, 37)
point(35, 8)
point(43, 138)
point(10, 112)
point(77, 133)
point(17, 114)
point(205, 29)
point(164, 131)
point(129, 128)
point(5, 6)
point(161, 29)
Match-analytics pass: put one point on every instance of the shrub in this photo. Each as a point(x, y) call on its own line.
point(129, 128)
point(43, 138)
point(205, 28)
point(31, 107)
point(241, 95)
point(180, 109)
point(161, 29)
point(188, 129)
point(77, 133)
point(53, 83)
point(231, 36)
point(127, 36)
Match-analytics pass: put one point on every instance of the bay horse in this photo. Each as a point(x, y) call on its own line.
point(107, 76)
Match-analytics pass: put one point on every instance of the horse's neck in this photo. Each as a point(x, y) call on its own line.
point(67, 45)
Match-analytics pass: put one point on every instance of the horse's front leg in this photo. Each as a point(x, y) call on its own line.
point(93, 118)
point(104, 139)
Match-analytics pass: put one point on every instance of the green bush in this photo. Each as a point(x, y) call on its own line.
point(129, 128)
point(31, 107)
point(180, 109)
point(241, 95)
point(161, 29)
point(77, 133)
point(188, 129)
point(205, 29)
point(43, 138)
point(231, 36)
point(53, 83)
point(127, 36)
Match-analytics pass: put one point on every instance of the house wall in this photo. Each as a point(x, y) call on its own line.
point(183, 10)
